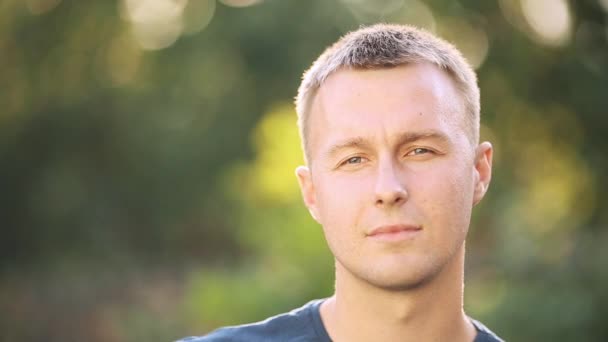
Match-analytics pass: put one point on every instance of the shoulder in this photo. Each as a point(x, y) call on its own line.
point(484, 334)
point(296, 325)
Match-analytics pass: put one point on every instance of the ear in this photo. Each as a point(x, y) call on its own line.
point(483, 170)
point(308, 190)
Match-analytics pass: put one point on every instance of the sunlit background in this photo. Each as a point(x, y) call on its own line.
point(147, 150)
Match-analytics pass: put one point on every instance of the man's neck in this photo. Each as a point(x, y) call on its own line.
point(358, 311)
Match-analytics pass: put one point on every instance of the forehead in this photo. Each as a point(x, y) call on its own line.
point(422, 81)
point(402, 98)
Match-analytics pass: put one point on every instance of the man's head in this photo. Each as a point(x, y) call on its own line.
point(389, 119)
point(386, 46)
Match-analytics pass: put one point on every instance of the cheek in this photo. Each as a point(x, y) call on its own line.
point(448, 196)
point(340, 202)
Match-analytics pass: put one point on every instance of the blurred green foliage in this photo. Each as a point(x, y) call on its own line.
point(148, 147)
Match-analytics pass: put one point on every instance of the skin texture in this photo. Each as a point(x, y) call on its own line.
point(389, 149)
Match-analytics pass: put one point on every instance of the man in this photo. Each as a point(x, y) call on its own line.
point(389, 121)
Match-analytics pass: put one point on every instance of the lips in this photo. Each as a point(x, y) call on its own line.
point(394, 232)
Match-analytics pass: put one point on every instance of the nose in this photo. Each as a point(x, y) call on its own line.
point(390, 190)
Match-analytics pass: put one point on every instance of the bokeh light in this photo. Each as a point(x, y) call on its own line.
point(156, 24)
point(550, 20)
point(240, 3)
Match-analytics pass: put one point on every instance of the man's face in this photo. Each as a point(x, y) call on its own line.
point(393, 175)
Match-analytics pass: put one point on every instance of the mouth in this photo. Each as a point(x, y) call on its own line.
point(397, 232)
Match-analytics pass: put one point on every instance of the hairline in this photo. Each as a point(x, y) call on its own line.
point(421, 47)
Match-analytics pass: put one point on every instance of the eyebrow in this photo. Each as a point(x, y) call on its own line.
point(357, 142)
point(410, 137)
point(403, 139)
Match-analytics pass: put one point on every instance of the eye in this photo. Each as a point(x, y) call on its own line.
point(419, 151)
point(353, 160)
point(352, 163)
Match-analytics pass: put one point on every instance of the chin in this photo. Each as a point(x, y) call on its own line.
point(398, 275)
point(401, 282)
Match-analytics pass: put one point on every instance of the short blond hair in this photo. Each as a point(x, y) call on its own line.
point(385, 46)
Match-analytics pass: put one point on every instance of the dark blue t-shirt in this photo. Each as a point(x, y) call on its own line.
point(300, 325)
